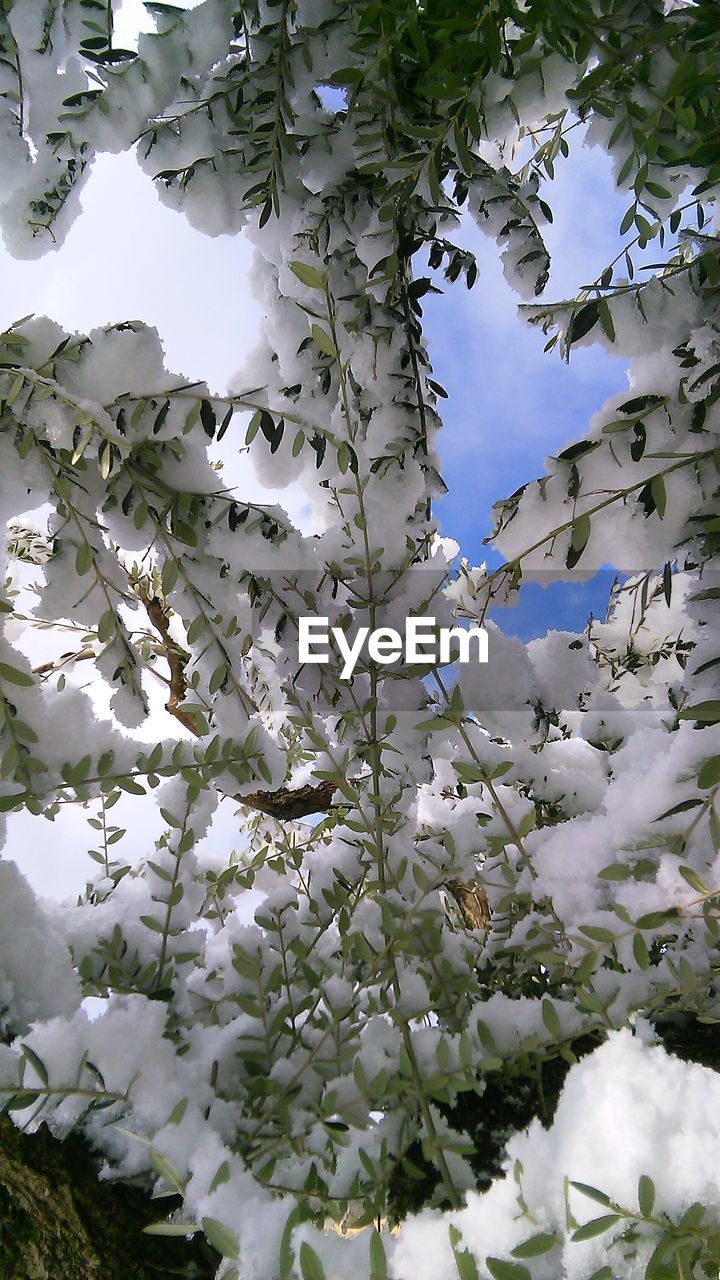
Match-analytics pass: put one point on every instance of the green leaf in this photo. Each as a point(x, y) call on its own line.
point(12, 676)
point(345, 77)
point(615, 871)
point(596, 1227)
point(287, 1256)
point(21, 1101)
point(378, 1261)
point(501, 1270)
point(656, 919)
point(221, 1238)
point(132, 787)
point(151, 923)
point(606, 320)
point(706, 712)
point(591, 1192)
point(177, 1112)
point(579, 535)
point(253, 426)
point(171, 1229)
point(693, 1216)
point(169, 576)
point(218, 678)
point(184, 532)
point(165, 1168)
point(657, 488)
point(578, 450)
point(83, 558)
point(551, 1020)
point(597, 933)
point(536, 1245)
point(207, 418)
point(221, 1175)
point(640, 952)
point(580, 532)
point(639, 404)
point(36, 1063)
point(310, 1265)
point(105, 459)
point(83, 441)
point(683, 807)
point(629, 216)
point(661, 193)
point(137, 412)
point(308, 275)
point(193, 416)
point(15, 389)
point(464, 1260)
point(582, 321)
point(13, 801)
point(140, 514)
point(465, 1263)
point(646, 1195)
point(709, 773)
point(694, 879)
point(324, 341)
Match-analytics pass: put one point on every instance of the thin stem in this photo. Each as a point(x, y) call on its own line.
point(376, 768)
point(502, 811)
point(615, 496)
point(62, 1091)
point(170, 904)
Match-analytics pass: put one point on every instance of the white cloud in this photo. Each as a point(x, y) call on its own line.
point(129, 257)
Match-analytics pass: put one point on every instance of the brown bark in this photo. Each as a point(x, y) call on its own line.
point(285, 804)
point(473, 903)
point(175, 656)
point(57, 1222)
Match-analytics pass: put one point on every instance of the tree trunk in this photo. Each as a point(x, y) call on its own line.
point(57, 1222)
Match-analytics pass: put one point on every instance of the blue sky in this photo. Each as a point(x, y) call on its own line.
point(128, 257)
point(511, 404)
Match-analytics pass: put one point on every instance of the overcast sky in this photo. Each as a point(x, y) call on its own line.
point(129, 257)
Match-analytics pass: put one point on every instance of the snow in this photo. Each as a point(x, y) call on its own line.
point(37, 980)
point(293, 1015)
point(627, 1109)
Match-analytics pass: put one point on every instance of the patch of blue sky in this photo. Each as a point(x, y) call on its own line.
point(510, 404)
